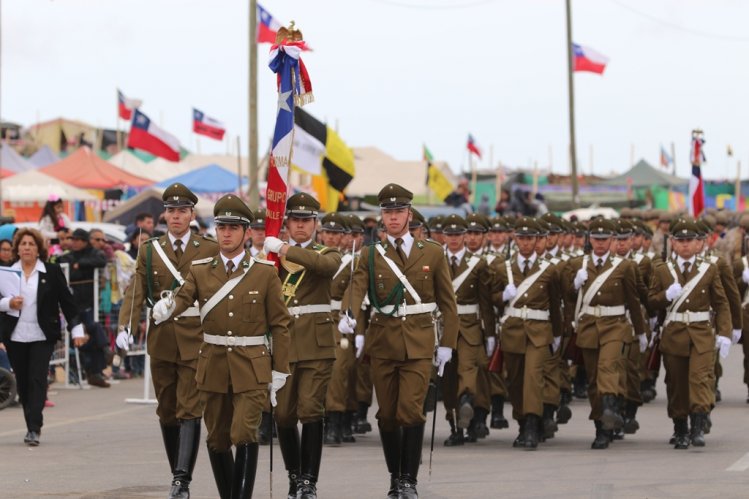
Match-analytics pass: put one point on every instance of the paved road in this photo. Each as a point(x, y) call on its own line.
point(94, 445)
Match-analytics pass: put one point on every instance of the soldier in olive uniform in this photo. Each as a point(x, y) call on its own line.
point(690, 290)
point(407, 281)
point(741, 275)
point(172, 346)
point(306, 271)
point(601, 288)
point(418, 226)
point(257, 231)
point(240, 303)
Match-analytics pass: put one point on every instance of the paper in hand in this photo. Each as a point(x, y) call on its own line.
point(10, 285)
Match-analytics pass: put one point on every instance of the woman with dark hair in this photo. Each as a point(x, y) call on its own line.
point(53, 218)
point(6, 253)
point(30, 324)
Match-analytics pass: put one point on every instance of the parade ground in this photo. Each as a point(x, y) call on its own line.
point(95, 445)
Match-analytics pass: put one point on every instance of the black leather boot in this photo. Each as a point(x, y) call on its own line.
point(564, 414)
point(681, 433)
point(602, 437)
point(391, 447)
point(456, 436)
point(245, 466)
point(580, 383)
point(697, 434)
point(479, 422)
point(346, 434)
point(288, 440)
point(647, 390)
point(530, 432)
point(413, 437)
point(312, 437)
point(630, 414)
point(170, 435)
point(519, 442)
point(498, 419)
point(465, 410)
point(708, 424)
point(266, 427)
point(549, 425)
point(362, 425)
point(610, 418)
point(187, 454)
point(333, 428)
point(222, 464)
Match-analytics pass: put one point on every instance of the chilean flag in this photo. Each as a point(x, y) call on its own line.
point(696, 187)
point(125, 106)
point(145, 135)
point(587, 59)
point(473, 148)
point(267, 26)
point(205, 125)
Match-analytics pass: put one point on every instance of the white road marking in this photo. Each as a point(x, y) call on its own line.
point(741, 465)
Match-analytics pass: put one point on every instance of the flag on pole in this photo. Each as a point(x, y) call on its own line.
point(665, 158)
point(145, 135)
point(696, 187)
point(267, 26)
point(125, 106)
point(294, 88)
point(587, 59)
point(473, 147)
point(436, 180)
point(205, 125)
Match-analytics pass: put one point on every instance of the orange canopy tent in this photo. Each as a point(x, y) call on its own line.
point(86, 170)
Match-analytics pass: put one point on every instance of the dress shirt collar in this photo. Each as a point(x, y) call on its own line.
point(185, 239)
point(604, 258)
point(408, 241)
point(680, 261)
point(458, 256)
point(38, 266)
point(531, 260)
point(237, 259)
point(303, 245)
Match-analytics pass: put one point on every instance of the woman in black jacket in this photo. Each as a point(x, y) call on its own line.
point(30, 324)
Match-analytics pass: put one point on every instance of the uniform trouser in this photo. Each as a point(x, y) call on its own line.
point(690, 386)
point(450, 387)
point(351, 402)
point(302, 398)
point(631, 379)
point(497, 385)
point(401, 387)
point(603, 367)
point(565, 380)
point(552, 377)
point(364, 386)
point(472, 360)
point(232, 418)
point(30, 362)
point(745, 348)
point(176, 390)
point(338, 388)
point(525, 379)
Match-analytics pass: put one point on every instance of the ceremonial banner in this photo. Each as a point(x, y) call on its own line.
point(436, 180)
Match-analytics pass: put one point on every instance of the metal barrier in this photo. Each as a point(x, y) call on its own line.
point(61, 353)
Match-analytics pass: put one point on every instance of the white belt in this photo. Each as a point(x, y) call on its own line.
point(602, 310)
point(336, 304)
point(191, 312)
point(309, 309)
point(231, 341)
point(404, 310)
point(468, 309)
point(687, 317)
point(527, 313)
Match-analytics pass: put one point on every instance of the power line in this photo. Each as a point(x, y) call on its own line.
point(460, 4)
point(678, 27)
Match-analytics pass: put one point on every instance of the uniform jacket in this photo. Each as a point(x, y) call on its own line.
point(708, 295)
point(730, 288)
point(475, 290)
point(253, 307)
point(410, 337)
point(179, 337)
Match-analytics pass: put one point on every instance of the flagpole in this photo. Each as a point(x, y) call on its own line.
point(474, 181)
point(571, 90)
point(239, 170)
point(673, 158)
point(253, 192)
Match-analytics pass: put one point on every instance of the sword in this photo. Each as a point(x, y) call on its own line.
point(349, 312)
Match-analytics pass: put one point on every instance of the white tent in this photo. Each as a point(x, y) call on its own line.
point(11, 160)
point(131, 164)
point(36, 186)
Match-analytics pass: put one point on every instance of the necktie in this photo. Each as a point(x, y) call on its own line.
point(229, 268)
point(686, 269)
point(526, 267)
point(399, 250)
point(454, 265)
point(599, 264)
point(178, 249)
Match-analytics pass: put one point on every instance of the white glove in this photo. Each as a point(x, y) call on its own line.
point(279, 379)
point(491, 344)
point(272, 244)
point(346, 325)
point(359, 344)
point(162, 310)
point(643, 339)
point(735, 336)
point(124, 339)
point(509, 293)
point(444, 355)
point(674, 291)
point(77, 331)
point(723, 345)
point(556, 343)
point(580, 278)
point(745, 276)
point(653, 321)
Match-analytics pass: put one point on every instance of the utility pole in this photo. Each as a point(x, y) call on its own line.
point(571, 89)
point(253, 194)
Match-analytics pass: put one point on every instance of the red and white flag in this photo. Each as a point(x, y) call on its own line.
point(125, 106)
point(267, 26)
point(472, 146)
point(696, 186)
point(205, 125)
point(145, 135)
point(587, 59)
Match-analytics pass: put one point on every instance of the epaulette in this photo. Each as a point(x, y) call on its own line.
point(202, 260)
point(208, 237)
point(263, 261)
point(152, 239)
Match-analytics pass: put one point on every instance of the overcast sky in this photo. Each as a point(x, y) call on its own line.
point(398, 73)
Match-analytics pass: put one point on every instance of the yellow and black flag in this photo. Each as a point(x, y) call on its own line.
point(436, 180)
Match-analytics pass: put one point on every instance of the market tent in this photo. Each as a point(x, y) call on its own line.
point(211, 178)
point(43, 157)
point(150, 201)
point(645, 175)
point(36, 186)
point(162, 169)
point(86, 170)
point(11, 160)
point(227, 161)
